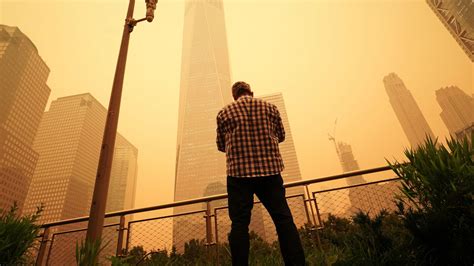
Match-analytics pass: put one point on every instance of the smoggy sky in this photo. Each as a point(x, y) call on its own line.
point(328, 58)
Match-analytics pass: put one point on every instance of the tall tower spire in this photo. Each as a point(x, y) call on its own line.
point(204, 90)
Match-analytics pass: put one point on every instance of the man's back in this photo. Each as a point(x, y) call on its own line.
point(249, 131)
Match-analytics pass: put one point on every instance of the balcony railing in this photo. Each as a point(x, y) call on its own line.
point(208, 224)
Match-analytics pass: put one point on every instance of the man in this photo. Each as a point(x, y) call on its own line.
point(249, 131)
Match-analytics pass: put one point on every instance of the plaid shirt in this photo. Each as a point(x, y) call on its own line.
point(248, 131)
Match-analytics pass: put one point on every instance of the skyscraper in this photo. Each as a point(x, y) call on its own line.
point(358, 201)
point(407, 111)
point(205, 89)
point(458, 108)
point(23, 97)
point(348, 162)
point(123, 176)
point(458, 17)
point(68, 142)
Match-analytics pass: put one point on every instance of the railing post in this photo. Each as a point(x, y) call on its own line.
point(307, 199)
point(209, 241)
point(127, 241)
point(217, 235)
point(320, 224)
point(42, 248)
point(50, 248)
point(208, 224)
point(120, 230)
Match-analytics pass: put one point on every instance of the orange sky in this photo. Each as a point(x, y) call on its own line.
point(328, 59)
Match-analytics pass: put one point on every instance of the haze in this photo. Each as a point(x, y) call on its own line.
point(328, 59)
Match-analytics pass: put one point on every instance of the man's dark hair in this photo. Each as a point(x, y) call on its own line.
point(241, 88)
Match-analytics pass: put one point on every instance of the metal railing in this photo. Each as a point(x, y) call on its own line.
point(205, 228)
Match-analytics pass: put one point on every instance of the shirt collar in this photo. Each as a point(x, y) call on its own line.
point(244, 97)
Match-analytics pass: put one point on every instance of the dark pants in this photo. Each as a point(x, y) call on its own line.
point(270, 191)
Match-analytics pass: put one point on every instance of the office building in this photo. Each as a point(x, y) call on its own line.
point(23, 97)
point(68, 143)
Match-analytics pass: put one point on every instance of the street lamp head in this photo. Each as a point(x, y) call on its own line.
point(150, 9)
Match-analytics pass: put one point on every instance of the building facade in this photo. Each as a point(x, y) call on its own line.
point(458, 17)
point(204, 90)
point(123, 176)
point(68, 142)
point(407, 111)
point(457, 108)
point(23, 97)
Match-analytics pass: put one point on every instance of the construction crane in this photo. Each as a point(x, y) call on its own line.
point(333, 138)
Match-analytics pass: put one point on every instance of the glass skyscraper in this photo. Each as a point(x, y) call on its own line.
point(205, 89)
point(458, 17)
point(407, 111)
point(23, 97)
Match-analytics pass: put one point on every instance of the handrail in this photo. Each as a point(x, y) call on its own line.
point(218, 197)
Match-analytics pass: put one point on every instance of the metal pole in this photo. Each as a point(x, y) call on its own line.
point(120, 236)
point(310, 198)
point(42, 249)
point(99, 198)
point(50, 248)
point(217, 236)
point(208, 224)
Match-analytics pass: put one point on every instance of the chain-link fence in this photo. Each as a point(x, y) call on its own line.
point(201, 236)
point(62, 249)
point(370, 198)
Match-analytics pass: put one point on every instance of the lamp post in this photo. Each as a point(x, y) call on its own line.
point(99, 198)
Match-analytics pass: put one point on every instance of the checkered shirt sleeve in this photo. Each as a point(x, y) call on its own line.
point(249, 131)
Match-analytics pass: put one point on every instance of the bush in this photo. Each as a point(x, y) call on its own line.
point(17, 235)
point(438, 209)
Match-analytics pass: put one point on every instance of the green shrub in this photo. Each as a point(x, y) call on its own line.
point(17, 235)
point(87, 253)
point(438, 209)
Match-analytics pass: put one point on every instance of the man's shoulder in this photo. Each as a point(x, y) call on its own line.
point(226, 108)
point(265, 103)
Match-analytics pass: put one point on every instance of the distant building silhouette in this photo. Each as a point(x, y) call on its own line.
point(407, 111)
point(458, 17)
point(465, 132)
point(23, 97)
point(68, 142)
point(348, 163)
point(458, 109)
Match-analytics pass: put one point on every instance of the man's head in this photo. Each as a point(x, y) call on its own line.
point(241, 88)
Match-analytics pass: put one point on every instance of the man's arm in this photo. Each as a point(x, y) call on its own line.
point(220, 140)
point(280, 129)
